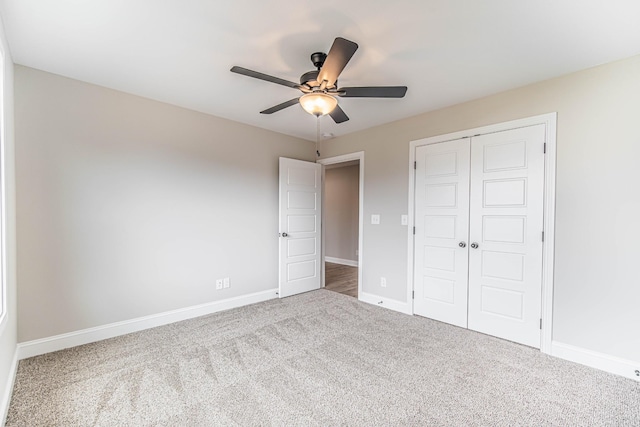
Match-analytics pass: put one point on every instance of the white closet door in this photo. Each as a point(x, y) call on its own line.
point(442, 221)
point(506, 224)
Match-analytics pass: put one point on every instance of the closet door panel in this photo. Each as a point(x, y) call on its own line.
point(506, 224)
point(442, 221)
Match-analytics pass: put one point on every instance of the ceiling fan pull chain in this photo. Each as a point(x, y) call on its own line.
point(317, 135)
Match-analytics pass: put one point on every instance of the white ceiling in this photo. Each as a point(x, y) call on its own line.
point(445, 51)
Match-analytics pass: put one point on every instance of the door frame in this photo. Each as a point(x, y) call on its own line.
point(359, 155)
point(549, 207)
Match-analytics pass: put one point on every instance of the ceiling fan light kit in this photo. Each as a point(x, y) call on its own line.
point(320, 87)
point(318, 103)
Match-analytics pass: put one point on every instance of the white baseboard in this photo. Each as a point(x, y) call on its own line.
point(8, 389)
point(391, 304)
point(86, 336)
point(341, 261)
point(615, 365)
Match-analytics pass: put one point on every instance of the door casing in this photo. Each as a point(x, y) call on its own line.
point(549, 120)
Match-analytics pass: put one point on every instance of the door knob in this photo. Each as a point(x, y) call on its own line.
point(285, 235)
point(474, 245)
point(462, 244)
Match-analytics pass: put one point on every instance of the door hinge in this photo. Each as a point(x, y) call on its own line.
point(414, 230)
point(415, 165)
point(545, 148)
point(413, 294)
point(540, 324)
point(543, 236)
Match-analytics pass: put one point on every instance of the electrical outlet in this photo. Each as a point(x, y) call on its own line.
point(226, 282)
point(219, 284)
point(404, 220)
point(375, 219)
point(357, 252)
point(383, 282)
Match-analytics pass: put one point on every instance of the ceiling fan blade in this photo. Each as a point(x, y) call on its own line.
point(340, 53)
point(282, 106)
point(265, 77)
point(338, 115)
point(374, 92)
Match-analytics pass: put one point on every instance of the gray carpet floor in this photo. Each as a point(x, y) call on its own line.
point(319, 358)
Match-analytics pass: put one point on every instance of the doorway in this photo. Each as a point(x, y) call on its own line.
point(342, 221)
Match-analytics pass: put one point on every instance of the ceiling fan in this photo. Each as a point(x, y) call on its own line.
point(320, 87)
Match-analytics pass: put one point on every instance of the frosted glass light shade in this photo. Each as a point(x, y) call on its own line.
point(318, 103)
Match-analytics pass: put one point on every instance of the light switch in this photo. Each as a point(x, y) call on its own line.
point(404, 220)
point(375, 219)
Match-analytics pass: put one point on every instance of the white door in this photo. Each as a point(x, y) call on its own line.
point(442, 221)
point(300, 207)
point(506, 224)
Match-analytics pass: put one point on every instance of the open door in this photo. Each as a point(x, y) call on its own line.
point(300, 208)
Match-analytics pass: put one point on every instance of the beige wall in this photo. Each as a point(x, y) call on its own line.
point(129, 207)
point(8, 327)
point(341, 191)
point(598, 197)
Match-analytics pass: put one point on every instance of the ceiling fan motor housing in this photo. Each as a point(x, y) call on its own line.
point(310, 78)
